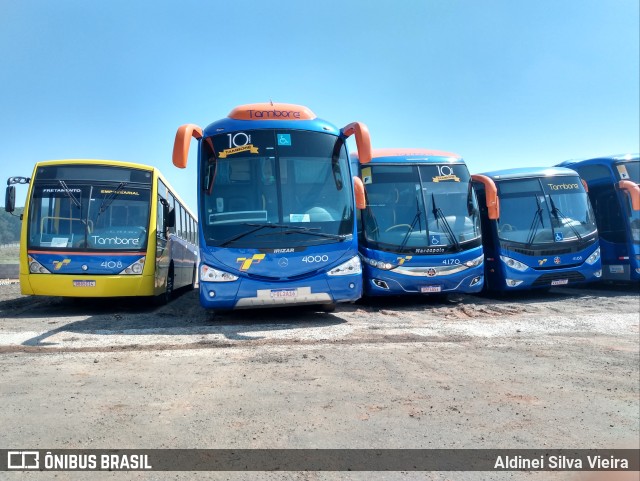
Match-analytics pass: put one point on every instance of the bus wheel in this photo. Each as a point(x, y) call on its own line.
point(327, 307)
point(164, 298)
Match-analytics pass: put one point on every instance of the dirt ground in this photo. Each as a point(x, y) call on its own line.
point(556, 370)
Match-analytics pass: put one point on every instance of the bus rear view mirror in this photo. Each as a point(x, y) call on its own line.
point(10, 199)
point(634, 192)
point(363, 141)
point(170, 219)
point(182, 142)
point(358, 187)
point(491, 195)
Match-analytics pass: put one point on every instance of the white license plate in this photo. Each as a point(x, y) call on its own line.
point(284, 293)
point(559, 282)
point(84, 283)
point(431, 289)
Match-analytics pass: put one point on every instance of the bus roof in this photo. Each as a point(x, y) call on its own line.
point(600, 160)
point(405, 155)
point(117, 163)
point(270, 116)
point(526, 172)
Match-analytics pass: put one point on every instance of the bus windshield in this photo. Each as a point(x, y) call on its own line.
point(544, 210)
point(271, 188)
point(83, 207)
point(411, 206)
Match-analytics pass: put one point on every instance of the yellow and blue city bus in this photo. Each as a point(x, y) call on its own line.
point(101, 228)
point(538, 229)
point(277, 207)
point(420, 230)
point(614, 190)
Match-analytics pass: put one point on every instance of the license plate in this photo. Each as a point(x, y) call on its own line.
point(431, 289)
point(559, 282)
point(284, 293)
point(84, 283)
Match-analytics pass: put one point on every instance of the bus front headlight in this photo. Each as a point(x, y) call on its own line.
point(352, 266)
point(514, 264)
point(475, 262)
point(379, 264)
point(135, 268)
point(36, 268)
point(209, 274)
point(593, 258)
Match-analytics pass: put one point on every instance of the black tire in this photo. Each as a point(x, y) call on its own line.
point(165, 297)
point(328, 307)
point(193, 277)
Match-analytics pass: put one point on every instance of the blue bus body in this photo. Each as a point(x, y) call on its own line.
point(538, 229)
point(420, 231)
point(276, 197)
point(613, 184)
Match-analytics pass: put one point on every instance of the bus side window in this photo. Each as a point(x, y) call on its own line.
point(160, 219)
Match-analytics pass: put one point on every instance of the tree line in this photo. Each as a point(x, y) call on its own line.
point(10, 226)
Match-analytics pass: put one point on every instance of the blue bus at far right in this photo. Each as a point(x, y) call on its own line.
point(615, 196)
point(538, 229)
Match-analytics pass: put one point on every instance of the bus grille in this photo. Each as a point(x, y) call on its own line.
point(545, 279)
point(551, 252)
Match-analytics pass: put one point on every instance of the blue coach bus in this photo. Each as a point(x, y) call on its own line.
point(538, 229)
point(277, 203)
point(420, 230)
point(615, 197)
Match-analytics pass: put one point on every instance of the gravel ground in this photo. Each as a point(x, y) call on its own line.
point(538, 370)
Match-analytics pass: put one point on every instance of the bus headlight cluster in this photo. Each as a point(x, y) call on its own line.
point(514, 264)
point(593, 258)
point(209, 274)
point(36, 268)
point(352, 266)
point(379, 264)
point(135, 268)
point(475, 262)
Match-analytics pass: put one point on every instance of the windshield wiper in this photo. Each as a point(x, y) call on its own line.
point(289, 230)
point(75, 201)
point(557, 213)
point(416, 218)
point(106, 202)
point(537, 219)
point(437, 212)
point(67, 190)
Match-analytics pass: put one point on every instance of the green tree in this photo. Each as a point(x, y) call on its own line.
point(10, 226)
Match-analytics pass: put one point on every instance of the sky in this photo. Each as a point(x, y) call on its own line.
point(504, 83)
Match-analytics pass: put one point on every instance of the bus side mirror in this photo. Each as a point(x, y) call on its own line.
point(358, 187)
point(170, 218)
point(363, 140)
point(491, 195)
point(182, 143)
point(634, 192)
point(10, 199)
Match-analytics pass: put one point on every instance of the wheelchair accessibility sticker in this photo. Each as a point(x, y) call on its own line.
point(284, 139)
point(435, 240)
point(559, 237)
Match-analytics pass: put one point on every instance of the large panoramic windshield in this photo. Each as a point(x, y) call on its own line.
point(411, 206)
point(544, 210)
point(89, 208)
point(274, 188)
